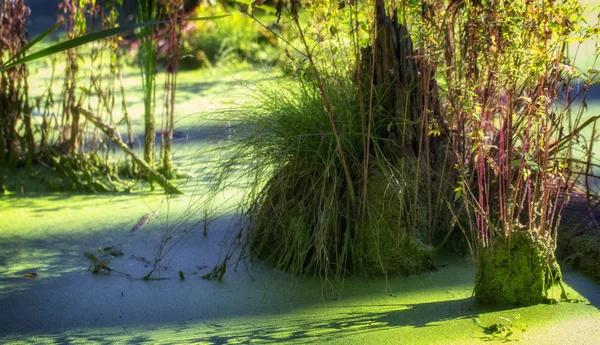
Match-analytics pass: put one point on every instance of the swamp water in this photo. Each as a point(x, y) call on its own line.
point(49, 234)
point(66, 303)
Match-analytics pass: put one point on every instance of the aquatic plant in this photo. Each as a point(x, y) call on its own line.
point(343, 175)
point(488, 82)
point(62, 133)
point(506, 86)
point(91, 170)
point(15, 112)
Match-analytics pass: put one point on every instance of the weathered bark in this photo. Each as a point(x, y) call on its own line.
point(403, 85)
point(402, 92)
point(390, 69)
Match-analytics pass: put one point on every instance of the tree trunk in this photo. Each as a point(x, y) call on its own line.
point(404, 85)
point(402, 91)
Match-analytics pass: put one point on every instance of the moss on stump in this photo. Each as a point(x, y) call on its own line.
point(393, 236)
point(587, 254)
point(581, 249)
point(302, 224)
point(520, 271)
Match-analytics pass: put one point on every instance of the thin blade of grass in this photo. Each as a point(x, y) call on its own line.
point(95, 36)
point(559, 145)
point(34, 42)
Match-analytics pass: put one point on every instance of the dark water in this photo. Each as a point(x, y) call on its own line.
point(583, 285)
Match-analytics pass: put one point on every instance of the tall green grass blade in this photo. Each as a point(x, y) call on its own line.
point(34, 42)
point(195, 19)
point(78, 41)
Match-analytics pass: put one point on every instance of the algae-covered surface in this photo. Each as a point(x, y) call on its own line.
point(50, 233)
point(519, 273)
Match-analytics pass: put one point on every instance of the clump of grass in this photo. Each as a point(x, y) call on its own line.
point(341, 175)
point(296, 212)
point(295, 195)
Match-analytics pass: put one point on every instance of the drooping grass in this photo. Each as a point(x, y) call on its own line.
point(341, 175)
point(296, 212)
point(289, 154)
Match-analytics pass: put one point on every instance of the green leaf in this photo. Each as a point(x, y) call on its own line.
point(458, 192)
point(35, 41)
point(91, 257)
point(78, 41)
point(533, 165)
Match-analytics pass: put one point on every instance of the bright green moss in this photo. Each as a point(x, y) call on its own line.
point(393, 236)
point(519, 271)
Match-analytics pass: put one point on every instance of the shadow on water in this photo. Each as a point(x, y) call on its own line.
point(56, 202)
point(342, 323)
point(195, 89)
point(577, 91)
point(187, 91)
point(585, 286)
point(67, 304)
point(66, 296)
point(323, 325)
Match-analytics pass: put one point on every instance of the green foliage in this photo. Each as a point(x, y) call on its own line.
point(235, 39)
point(300, 219)
point(334, 33)
point(503, 68)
